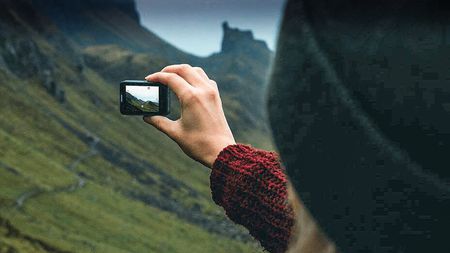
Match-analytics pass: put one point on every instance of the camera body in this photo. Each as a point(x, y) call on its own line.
point(144, 98)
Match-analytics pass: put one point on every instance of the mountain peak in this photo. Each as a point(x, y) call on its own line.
point(241, 41)
point(106, 22)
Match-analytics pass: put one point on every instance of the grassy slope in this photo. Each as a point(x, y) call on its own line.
point(98, 216)
point(39, 138)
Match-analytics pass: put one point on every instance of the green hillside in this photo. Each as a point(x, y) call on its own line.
point(75, 175)
point(142, 106)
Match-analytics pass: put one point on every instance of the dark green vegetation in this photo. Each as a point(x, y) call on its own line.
point(75, 175)
point(144, 106)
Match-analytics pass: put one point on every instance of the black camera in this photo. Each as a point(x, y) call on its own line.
point(144, 98)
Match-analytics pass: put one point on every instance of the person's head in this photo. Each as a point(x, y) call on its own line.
point(359, 105)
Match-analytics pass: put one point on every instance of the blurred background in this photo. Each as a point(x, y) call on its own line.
point(75, 175)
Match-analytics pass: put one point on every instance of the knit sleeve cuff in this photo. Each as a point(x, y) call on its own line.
point(251, 186)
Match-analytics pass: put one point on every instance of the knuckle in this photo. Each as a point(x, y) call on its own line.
point(209, 94)
point(198, 69)
point(168, 68)
point(188, 95)
point(212, 94)
point(214, 86)
point(193, 96)
point(184, 67)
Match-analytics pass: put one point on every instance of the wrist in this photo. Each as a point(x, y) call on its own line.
point(215, 151)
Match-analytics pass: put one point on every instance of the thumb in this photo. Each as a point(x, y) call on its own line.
point(163, 124)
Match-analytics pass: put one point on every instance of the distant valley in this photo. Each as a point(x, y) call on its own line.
point(143, 106)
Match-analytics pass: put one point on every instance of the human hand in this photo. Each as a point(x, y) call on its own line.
point(202, 130)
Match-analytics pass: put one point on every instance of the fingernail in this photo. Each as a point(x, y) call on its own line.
point(149, 76)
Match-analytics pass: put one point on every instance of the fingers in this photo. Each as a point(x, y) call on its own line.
point(177, 84)
point(192, 75)
point(201, 72)
point(163, 124)
point(180, 78)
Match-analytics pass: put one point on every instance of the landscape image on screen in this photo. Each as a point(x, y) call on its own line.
point(143, 98)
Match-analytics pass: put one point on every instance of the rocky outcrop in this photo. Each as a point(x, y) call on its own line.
point(242, 42)
point(23, 57)
point(26, 59)
point(245, 56)
point(55, 90)
point(25, 36)
point(241, 70)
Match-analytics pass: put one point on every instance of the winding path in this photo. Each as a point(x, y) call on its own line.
point(81, 182)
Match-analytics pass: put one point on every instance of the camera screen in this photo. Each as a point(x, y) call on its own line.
point(143, 98)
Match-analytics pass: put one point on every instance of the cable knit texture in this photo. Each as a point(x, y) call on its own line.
point(251, 186)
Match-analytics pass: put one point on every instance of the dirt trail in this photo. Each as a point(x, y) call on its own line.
point(81, 182)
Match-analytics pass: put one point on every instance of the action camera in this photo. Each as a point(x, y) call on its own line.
point(144, 98)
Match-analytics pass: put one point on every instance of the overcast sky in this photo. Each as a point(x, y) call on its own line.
point(144, 93)
point(195, 25)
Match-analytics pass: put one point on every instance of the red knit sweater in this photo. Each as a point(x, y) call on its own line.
point(250, 185)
